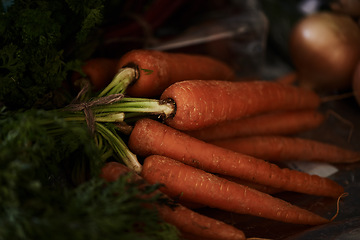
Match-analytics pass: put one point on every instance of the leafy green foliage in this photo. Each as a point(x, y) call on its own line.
point(49, 166)
point(49, 185)
point(38, 38)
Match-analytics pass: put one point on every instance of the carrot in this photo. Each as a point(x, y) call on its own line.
point(192, 184)
point(281, 148)
point(288, 78)
point(280, 123)
point(150, 137)
point(186, 220)
point(256, 186)
point(157, 70)
point(201, 103)
point(100, 71)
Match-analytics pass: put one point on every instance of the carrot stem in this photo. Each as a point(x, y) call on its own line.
point(120, 82)
point(112, 117)
point(140, 105)
point(119, 147)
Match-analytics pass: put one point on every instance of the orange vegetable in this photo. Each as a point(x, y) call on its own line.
point(186, 220)
point(150, 137)
point(100, 71)
point(192, 184)
point(256, 186)
point(202, 103)
point(280, 123)
point(288, 78)
point(281, 148)
point(157, 70)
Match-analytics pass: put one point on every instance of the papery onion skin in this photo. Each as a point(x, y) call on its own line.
point(325, 48)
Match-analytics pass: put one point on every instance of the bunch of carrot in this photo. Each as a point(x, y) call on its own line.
point(215, 144)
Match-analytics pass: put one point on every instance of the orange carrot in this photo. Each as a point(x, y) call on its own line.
point(281, 148)
point(288, 78)
point(100, 71)
point(186, 220)
point(279, 123)
point(256, 186)
point(150, 137)
point(192, 184)
point(201, 103)
point(157, 70)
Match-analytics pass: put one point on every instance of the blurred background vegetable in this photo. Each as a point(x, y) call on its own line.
point(325, 47)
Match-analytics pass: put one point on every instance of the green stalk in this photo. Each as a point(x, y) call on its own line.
point(106, 152)
point(119, 148)
point(120, 82)
point(150, 106)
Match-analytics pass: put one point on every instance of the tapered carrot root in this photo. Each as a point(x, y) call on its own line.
point(196, 185)
point(150, 137)
point(158, 70)
point(274, 123)
point(256, 186)
point(186, 220)
point(281, 148)
point(201, 103)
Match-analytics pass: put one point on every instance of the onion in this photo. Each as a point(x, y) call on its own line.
point(325, 48)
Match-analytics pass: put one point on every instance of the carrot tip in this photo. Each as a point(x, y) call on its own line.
point(345, 194)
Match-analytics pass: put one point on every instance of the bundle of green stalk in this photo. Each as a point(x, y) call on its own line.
point(51, 184)
point(50, 165)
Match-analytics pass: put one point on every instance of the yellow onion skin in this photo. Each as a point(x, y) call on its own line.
point(325, 48)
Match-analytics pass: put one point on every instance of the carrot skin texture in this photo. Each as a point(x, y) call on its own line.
point(256, 186)
point(196, 185)
point(282, 148)
point(158, 70)
point(183, 218)
point(150, 137)
point(274, 123)
point(202, 103)
point(100, 71)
